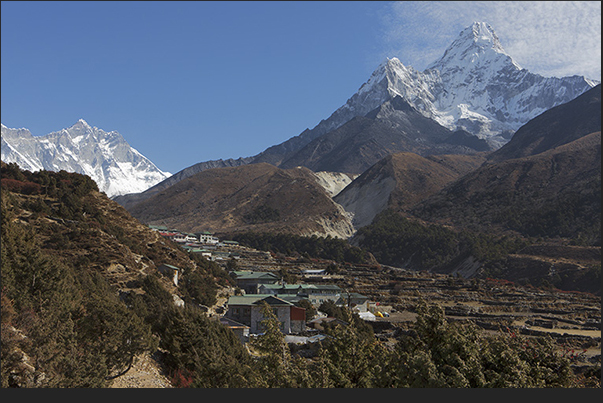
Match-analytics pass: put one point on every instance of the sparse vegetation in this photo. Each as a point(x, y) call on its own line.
point(262, 214)
point(68, 320)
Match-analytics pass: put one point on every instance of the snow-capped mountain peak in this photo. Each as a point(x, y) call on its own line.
point(477, 47)
point(81, 123)
point(475, 86)
point(106, 157)
point(482, 35)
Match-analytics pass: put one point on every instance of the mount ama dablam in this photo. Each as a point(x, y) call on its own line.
point(468, 102)
point(476, 92)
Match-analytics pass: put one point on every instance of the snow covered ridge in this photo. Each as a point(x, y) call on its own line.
point(106, 157)
point(475, 86)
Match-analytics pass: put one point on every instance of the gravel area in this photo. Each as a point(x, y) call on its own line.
point(145, 373)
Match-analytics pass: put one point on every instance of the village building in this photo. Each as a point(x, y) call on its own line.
point(315, 293)
point(311, 272)
point(240, 330)
point(182, 238)
point(279, 289)
point(220, 255)
point(206, 238)
point(247, 309)
point(161, 228)
point(355, 301)
point(206, 253)
point(250, 281)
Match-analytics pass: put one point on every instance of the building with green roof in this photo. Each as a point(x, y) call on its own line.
point(247, 309)
point(315, 293)
point(250, 281)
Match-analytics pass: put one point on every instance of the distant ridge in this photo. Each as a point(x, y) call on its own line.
point(131, 199)
point(254, 197)
point(475, 90)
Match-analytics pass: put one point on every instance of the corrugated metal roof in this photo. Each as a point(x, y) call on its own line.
point(272, 300)
point(247, 275)
point(246, 299)
point(255, 299)
point(281, 286)
point(327, 287)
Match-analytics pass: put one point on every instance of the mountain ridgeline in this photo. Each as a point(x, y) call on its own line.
point(501, 180)
point(106, 157)
point(475, 97)
point(473, 143)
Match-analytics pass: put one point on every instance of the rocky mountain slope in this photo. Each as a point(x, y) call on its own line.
point(106, 157)
point(401, 180)
point(554, 139)
point(553, 191)
point(394, 126)
point(86, 227)
point(249, 197)
point(333, 182)
point(557, 126)
point(79, 274)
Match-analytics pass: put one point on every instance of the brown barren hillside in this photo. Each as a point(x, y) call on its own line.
point(401, 180)
point(258, 197)
point(88, 230)
point(554, 193)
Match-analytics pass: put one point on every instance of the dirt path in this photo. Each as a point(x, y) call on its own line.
point(145, 373)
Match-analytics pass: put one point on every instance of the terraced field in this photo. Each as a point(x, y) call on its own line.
point(572, 319)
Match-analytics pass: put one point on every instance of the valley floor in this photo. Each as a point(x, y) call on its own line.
point(572, 319)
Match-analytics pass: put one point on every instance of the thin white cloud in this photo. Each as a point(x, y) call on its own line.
point(551, 38)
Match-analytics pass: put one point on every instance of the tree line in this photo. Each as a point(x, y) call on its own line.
point(329, 248)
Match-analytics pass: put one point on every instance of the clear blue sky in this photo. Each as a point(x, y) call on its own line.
point(186, 82)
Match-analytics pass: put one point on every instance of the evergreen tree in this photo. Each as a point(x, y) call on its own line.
point(442, 354)
point(274, 356)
